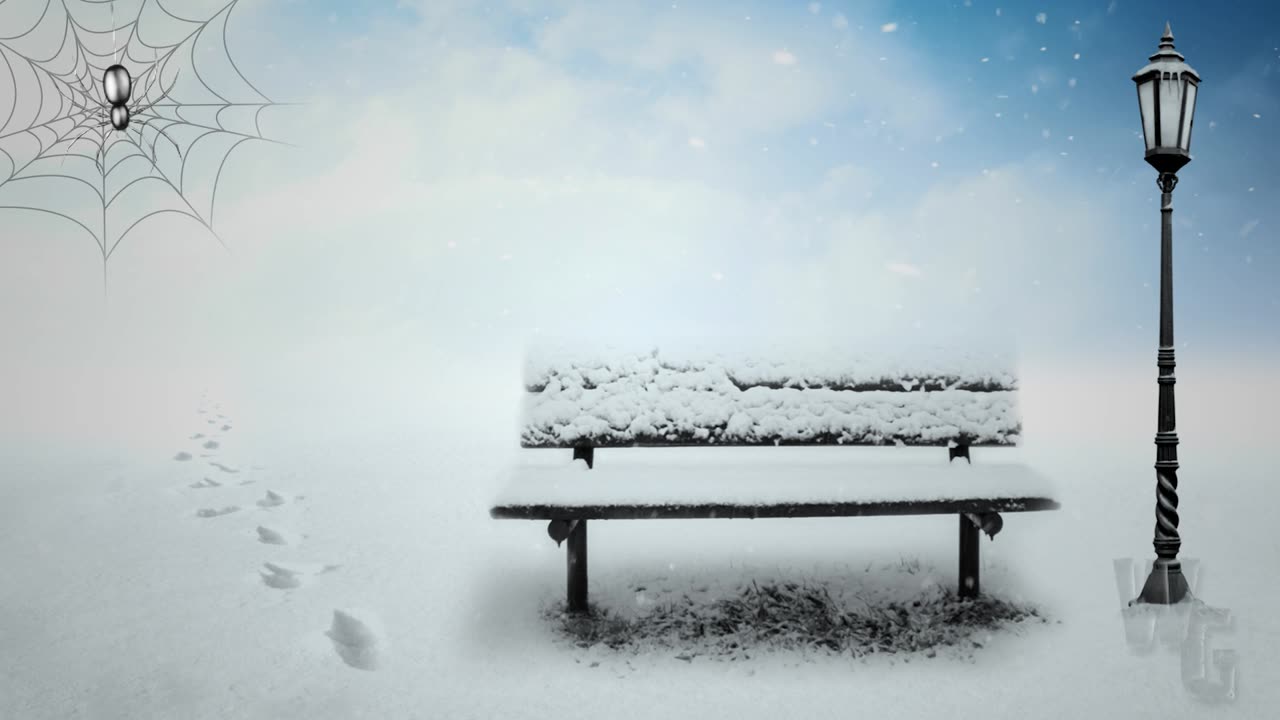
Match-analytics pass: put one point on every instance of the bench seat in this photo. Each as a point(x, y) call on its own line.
point(773, 487)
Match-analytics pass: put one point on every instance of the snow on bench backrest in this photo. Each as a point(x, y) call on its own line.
point(611, 397)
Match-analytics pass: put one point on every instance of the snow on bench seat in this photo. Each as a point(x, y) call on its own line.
point(610, 398)
point(744, 483)
point(779, 364)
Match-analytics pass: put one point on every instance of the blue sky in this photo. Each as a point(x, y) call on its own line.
point(472, 174)
point(999, 83)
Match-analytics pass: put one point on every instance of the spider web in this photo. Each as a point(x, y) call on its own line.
point(59, 154)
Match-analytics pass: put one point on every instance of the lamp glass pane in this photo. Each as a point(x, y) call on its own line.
point(1147, 104)
point(1190, 104)
point(1170, 99)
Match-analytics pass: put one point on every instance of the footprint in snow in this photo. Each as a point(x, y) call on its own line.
point(197, 436)
point(224, 468)
point(206, 483)
point(357, 639)
point(272, 499)
point(211, 512)
point(182, 456)
point(279, 577)
point(211, 445)
point(289, 576)
point(225, 428)
point(271, 537)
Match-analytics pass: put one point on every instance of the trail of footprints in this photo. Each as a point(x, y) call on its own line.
point(355, 635)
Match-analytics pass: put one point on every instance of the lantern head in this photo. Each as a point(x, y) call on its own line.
point(1167, 89)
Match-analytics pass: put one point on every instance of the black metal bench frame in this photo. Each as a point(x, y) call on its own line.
point(569, 524)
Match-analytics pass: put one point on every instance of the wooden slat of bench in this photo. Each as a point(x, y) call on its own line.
point(755, 512)
point(768, 489)
point(624, 414)
point(774, 365)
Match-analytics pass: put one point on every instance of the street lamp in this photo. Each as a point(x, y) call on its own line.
point(1167, 99)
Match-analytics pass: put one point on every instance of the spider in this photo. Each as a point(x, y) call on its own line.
point(117, 88)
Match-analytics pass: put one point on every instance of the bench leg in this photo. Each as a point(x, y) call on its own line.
point(577, 565)
point(968, 558)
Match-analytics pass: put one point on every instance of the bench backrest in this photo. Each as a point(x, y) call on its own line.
point(656, 398)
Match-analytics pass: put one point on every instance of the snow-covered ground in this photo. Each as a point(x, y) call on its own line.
point(334, 558)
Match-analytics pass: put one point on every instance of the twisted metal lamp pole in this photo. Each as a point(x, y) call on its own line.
point(1167, 89)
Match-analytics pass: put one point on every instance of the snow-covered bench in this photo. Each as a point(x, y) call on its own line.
point(912, 407)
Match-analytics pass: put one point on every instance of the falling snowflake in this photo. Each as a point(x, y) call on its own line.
point(1042, 18)
point(784, 57)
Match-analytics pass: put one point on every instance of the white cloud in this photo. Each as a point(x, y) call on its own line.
point(889, 27)
point(383, 245)
point(747, 84)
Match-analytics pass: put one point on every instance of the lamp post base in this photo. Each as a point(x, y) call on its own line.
point(1165, 585)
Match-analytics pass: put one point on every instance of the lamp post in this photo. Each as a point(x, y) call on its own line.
point(1167, 100)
